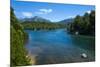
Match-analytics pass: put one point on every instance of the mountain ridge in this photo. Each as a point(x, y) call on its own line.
point(35, 19)
point(66, 21)
point(40, 19)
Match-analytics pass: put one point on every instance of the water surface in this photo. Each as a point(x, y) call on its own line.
point(57, 46)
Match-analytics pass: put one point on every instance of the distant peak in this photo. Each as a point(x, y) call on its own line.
point(37, 19)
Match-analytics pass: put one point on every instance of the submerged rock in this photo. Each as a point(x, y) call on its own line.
point(84, 55)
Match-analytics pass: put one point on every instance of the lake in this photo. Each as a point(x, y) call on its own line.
point(57, 46)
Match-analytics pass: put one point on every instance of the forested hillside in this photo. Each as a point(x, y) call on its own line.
point(32, 25)
point(84, 25)
point(18, 37)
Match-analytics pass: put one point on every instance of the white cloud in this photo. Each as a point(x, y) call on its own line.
point(27, 14)
point(44, 11)
point(89, 12)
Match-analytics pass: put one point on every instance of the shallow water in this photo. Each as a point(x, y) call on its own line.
point(57, 46)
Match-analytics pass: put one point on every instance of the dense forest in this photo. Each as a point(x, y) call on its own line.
point(18, 37)
point(42, 25)
point(83, 25)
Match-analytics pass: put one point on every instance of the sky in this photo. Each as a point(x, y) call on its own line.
point(51, 11)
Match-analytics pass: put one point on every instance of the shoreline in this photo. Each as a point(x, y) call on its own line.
point(31, 59)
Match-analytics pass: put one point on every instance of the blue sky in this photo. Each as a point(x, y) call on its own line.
point(51, 11)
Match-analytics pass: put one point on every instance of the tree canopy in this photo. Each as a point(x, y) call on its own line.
point(18, 36)
point(85, 24)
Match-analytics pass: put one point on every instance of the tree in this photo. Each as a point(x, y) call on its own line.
point(85, 24)
point(18, 52)
point(92, 21)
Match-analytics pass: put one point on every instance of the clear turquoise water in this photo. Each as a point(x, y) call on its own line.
point(57, 46)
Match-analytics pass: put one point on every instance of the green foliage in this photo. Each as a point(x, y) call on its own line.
point(18, 53)
point(41, 25)
point(85, 25)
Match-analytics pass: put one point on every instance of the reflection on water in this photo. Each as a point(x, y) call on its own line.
point(57, 46)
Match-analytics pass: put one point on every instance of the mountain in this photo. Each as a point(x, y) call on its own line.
point(66, 21)
point(35, 19)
